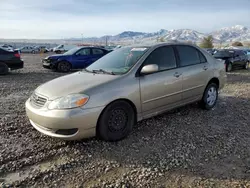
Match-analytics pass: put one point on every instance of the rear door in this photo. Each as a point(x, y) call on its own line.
point(97, 53)
point(196, 72)
point(161, 90)
point(82, 58)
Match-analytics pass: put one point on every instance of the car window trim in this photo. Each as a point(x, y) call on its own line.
point(198, 51)
point(138, 72)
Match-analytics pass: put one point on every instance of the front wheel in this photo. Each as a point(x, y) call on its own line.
point(116, 121)
point(63, 66)
point(210, 96)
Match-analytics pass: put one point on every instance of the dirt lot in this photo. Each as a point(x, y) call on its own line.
point(187, 147)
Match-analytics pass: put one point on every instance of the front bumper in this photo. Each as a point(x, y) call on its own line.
point(48, 64)
point(55, 123)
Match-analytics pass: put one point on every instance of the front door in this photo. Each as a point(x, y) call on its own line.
point(161, 90)
point(82, 58)
point(196, 72)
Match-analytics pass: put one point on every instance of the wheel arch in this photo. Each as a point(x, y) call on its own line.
point(120, 99)
point(214, 80)
point(63, 60)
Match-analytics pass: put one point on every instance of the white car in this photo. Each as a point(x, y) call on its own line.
point(63, 48)
point(28, 49)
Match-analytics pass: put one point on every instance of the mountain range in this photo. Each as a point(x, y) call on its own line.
point(224, 35)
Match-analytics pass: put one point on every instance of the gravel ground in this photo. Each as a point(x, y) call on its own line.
point(187, 147)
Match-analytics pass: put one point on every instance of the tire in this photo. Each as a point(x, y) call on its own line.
point(33, 52)
point(63, 66)
point(4, 69)
point(108, 128)
point(246, 66)
point(229, 67)
point(210, 96)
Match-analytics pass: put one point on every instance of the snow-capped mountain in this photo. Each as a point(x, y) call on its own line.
point(184, 35)
point(227, 34)
point(235, 33)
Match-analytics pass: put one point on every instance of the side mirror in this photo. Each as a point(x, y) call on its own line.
point(147, 69)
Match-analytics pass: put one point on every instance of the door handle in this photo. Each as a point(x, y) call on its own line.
point(205, 67)
point(177, 75)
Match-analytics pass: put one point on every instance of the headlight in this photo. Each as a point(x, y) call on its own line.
point(69, 101)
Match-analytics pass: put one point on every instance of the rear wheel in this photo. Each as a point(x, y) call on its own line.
point(246, 66)
point(4, 69)
point(210, 96)
point(116, 121)
point(63, 66)
point(229, 67)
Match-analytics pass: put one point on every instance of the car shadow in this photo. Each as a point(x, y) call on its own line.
point(186, 141)
point(240, 76)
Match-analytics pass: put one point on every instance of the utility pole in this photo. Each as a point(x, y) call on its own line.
point(106, 40)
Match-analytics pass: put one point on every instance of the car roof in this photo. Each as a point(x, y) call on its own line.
point(158, 44)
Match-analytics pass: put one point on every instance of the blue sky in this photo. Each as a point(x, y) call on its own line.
point(71, 18)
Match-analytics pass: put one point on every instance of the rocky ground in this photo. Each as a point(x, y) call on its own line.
point(187, 147)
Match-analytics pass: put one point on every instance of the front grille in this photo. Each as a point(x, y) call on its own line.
point(37, 101)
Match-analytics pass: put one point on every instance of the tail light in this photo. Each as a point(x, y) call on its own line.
point(17, 55)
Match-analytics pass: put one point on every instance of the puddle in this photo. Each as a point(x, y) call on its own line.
point(25, 173)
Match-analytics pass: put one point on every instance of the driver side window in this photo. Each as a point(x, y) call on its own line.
point(84, 51)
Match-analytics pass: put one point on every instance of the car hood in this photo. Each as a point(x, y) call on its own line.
point(73, 83)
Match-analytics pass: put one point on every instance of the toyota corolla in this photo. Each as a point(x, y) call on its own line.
point(127, 85)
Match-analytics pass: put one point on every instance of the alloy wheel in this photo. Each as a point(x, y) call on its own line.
point(211, 96)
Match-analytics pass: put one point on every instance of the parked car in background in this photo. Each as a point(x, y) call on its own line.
point(6, 46)
point(9, 60)
point(210, 50)
point(125, 86)
point(247, 51)
point(42, 49)
point(28, 49)
point(76, 58)
point(63, 48)
point(233, 58)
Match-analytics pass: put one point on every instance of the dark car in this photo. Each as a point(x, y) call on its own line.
point(233, 58)
point(210, 50)
point(9, 59)
point(76, 58)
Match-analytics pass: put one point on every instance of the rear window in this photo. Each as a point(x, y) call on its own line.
point(189, 56)
point(4, 51)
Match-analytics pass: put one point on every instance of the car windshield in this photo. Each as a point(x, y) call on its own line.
point(219, 54)
point(72, 51)
point(119, 61)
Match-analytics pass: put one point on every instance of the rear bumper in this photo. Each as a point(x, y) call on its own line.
point(15, 65)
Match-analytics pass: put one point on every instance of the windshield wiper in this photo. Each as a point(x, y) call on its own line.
point(104, 71)
point(86, 70)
